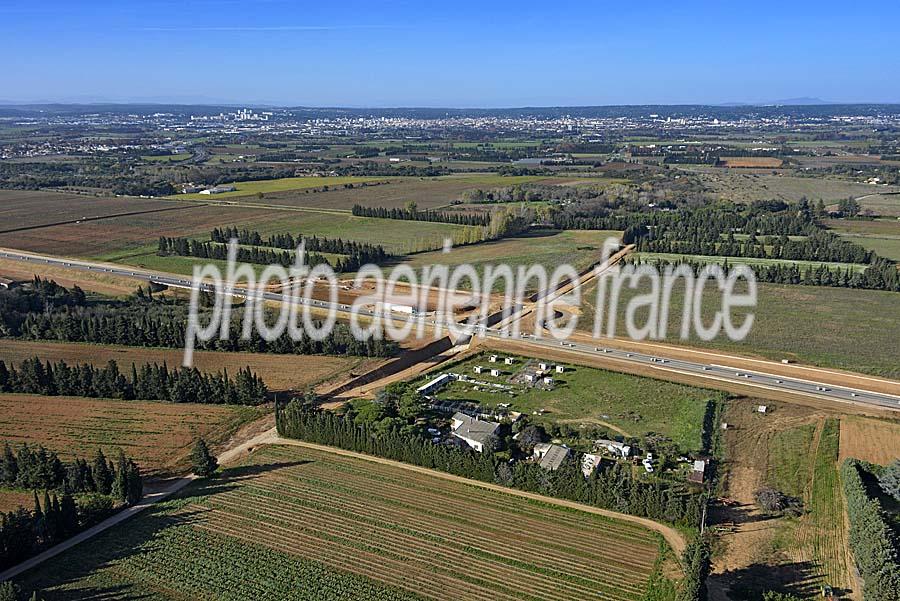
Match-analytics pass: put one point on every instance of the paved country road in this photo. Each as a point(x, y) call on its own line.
point(148, 500)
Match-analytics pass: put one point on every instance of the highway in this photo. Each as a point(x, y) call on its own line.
point(721, 373)
point(711, 371)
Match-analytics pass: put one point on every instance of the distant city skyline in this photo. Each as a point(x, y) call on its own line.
point(459, 55)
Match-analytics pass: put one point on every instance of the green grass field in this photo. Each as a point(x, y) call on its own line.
point(550, 248)
point(791, 458)
point(882, 204)
point(426, 192)
point(805, 323)
point(585, 395)
point(145, 257)
point(301, 524)
point(399, 237)
point(880, 235)
point(167, 158)
point(281, 185)
point(818, 535)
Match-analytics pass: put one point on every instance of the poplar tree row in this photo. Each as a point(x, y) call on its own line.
point(411, 213)
point(350, 262)
point(872, 539)
point(289, 241)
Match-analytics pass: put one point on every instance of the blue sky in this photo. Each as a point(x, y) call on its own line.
point(459, 54)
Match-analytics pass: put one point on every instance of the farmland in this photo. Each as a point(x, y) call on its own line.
point(94, 238)
point(790, 467)
point(752, 162)
point(29, 208)
point(158, 435)
point(300, 523)
point(10, 499)
point(166, 158)
point(279, 372)
point(873, 440)
point(427, 193)
point(267, 186)
point(805, 323)
point(881, 235)
point(882, 204)
point(628, 405)
point(550, 248)
point(121, 238)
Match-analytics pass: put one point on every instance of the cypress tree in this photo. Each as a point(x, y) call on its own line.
point(204, 464)
point(103, 477)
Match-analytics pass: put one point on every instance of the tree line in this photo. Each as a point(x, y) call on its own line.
point(46, 311)
point(695, 562)
point(872, 539)
point(187, 247)
point(288, 241)
point(93, 172)
point(500, 224)
point(40, 469)
point(773, 229)
point(704, 222)
point(24, 533)
point(532, 193)
point(882, 275)
point(818, 245)
point(150, 382)
point(411, 213)
point(614, 487)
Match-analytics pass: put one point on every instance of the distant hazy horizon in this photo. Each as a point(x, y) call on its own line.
point(199, 102)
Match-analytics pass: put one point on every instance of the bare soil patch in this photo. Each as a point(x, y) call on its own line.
point(157, 435)
point(873, 440)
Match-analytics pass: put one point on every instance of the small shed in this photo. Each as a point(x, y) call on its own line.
point(543, 366)
point(509, 361)
point(478, 369)
point(492, 358)
point(495, 372)
point(761, 409)
point(548, 381)
point(560, 369)
point(698, 472)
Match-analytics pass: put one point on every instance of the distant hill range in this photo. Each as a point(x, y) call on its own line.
point(802, 101)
